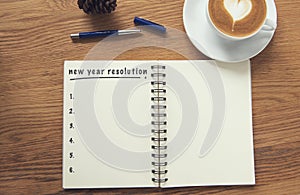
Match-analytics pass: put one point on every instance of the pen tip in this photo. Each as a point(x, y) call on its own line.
point(74, 36)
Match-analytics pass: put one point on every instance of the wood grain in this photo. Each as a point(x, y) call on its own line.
point(34, 42)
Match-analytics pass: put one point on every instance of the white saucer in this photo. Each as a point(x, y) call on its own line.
point(205, 39)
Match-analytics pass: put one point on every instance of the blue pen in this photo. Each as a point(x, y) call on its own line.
point(144, 22)
point(103, 33)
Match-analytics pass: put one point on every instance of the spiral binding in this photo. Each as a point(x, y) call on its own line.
point(159, 123)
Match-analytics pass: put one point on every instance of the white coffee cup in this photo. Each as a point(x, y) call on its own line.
point(267, 25)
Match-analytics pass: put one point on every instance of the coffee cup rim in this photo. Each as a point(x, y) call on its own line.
point(238, 38)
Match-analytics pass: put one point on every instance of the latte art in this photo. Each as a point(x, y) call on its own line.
point(238, 18)
point(238, 9)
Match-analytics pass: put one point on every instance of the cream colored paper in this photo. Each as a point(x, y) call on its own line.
point(109, 145)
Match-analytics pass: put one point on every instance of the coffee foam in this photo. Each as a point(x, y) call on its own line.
point(237, 18)
point(237, 9)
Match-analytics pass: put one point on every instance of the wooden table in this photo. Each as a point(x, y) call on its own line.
point(34, 42)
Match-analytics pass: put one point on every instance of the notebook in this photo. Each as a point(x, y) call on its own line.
point(157, 124)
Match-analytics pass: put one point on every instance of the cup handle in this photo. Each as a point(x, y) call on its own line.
point(269, 25)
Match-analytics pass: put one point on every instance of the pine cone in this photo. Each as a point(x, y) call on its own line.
point(97, 6)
